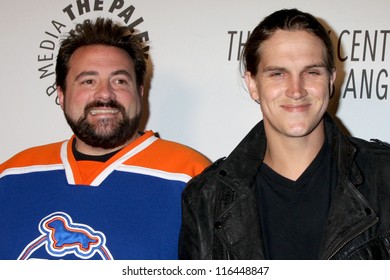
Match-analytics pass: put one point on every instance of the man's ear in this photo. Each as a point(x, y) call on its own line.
point(141, 91)
point(251, 85)
point(60, 95)
point(332, 81)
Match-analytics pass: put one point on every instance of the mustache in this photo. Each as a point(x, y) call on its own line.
point(108, 104)
point(104, 104)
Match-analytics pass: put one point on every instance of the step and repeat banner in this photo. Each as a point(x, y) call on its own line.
point(195, 94)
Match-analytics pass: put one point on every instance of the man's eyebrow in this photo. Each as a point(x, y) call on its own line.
point(273, 68)
point(122, 72)
point(316, 65)
point(86, 73)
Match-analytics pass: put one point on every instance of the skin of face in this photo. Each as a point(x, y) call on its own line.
point(100, 73)
point(292, 84)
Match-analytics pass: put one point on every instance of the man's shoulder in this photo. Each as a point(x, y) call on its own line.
point(38, 155)
point(178, 149)
point(374, 145)
point(372, 154)
point(168, 156)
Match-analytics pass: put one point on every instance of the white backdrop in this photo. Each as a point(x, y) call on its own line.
point(196, 95)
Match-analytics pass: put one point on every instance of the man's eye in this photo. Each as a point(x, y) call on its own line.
point(317, 71)
point(276, 74)
point(120, 81)
point(87, 82)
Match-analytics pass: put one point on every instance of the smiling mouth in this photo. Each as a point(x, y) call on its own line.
point(95, 112)
point(296, 108)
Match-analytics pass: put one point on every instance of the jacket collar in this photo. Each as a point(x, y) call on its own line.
point(242, 164)
point(350, 213)
point(343, 152)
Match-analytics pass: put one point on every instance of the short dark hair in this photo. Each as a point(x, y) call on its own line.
point(290, 20)
point(100, 32)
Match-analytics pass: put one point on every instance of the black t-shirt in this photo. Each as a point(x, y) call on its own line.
point(293, 213)
point(101, 158)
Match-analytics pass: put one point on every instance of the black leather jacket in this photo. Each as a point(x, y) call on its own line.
point(220, 215)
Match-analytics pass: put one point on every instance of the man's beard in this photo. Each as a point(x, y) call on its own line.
point(106, 133)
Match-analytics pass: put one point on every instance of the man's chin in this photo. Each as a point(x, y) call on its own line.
point(106, 134)
point(104, 141)
point(102, 122)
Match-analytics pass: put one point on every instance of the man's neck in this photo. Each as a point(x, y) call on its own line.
point(290, 156)
point(97, 151)
point(85, 157)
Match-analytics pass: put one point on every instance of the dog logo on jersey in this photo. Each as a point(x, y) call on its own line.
point(61, 236)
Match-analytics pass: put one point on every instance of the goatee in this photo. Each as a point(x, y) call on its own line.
point(106, 133)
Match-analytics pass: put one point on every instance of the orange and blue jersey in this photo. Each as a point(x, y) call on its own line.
point(54, 207)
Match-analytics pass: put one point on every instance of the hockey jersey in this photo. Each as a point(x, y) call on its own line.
point(54, 207)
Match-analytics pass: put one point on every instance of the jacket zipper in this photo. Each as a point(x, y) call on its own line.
point(352, 237)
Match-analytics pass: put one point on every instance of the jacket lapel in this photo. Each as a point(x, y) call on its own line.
point(350, 213)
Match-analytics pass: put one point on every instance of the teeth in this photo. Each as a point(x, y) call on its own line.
point(103, 111)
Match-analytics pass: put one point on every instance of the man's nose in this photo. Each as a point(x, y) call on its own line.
point(296, 88)
point(105, 91)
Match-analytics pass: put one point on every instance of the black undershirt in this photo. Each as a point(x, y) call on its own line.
point(293, 213)
point(101, 158)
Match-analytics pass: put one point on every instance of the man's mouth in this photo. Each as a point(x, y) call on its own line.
point(95, 112)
